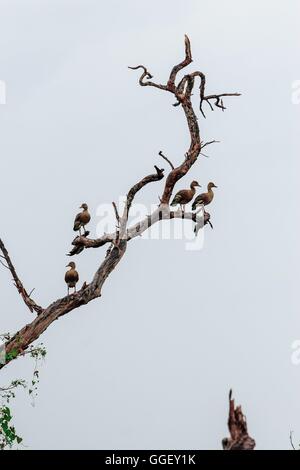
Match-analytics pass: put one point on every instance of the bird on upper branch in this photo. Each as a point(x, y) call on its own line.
point(184, 196)
point(205, 198)
point(82, 219)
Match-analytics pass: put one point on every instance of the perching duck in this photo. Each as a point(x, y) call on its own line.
point(205, 198)
point(82, 219)
point(71, 276)
point(184, 196)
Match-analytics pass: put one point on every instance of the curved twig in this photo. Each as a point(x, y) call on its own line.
point(167, 160)
point(148, 76)
point(21, 289)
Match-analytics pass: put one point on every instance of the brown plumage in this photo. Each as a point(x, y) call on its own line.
point(82, 219)
point(205, 198)
point(71, 276)
point(184, 196)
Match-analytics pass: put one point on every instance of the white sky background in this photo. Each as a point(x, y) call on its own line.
point(150, 364)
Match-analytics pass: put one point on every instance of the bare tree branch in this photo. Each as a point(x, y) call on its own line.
point(116, 213)
point(167, 160)
point(21, 289)
point(218, 101)
point(138, 186)
point(3, 264)
point(183, 93)
point(204, 144)
point(147, 75)
point(187, 60)
point(239, 438)
point(291, 440)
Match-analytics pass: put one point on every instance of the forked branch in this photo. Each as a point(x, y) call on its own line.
point(183, 92)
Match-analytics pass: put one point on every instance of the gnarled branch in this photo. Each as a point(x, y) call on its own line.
point(183, 93)
point(218, 101)
point(138, 186)
point(239, 438)
point(167, 160)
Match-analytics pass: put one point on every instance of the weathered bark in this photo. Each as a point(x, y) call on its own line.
point(118, 240)
point(239, 438)
point(161, 213)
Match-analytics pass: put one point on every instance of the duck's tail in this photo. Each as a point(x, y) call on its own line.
point(175, 201)
point(196, 203)
point(77, 226)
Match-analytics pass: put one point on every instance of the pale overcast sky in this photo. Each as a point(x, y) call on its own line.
point(150, 364)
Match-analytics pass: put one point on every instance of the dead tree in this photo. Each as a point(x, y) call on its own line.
point(118, 240)
point(239, 438)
